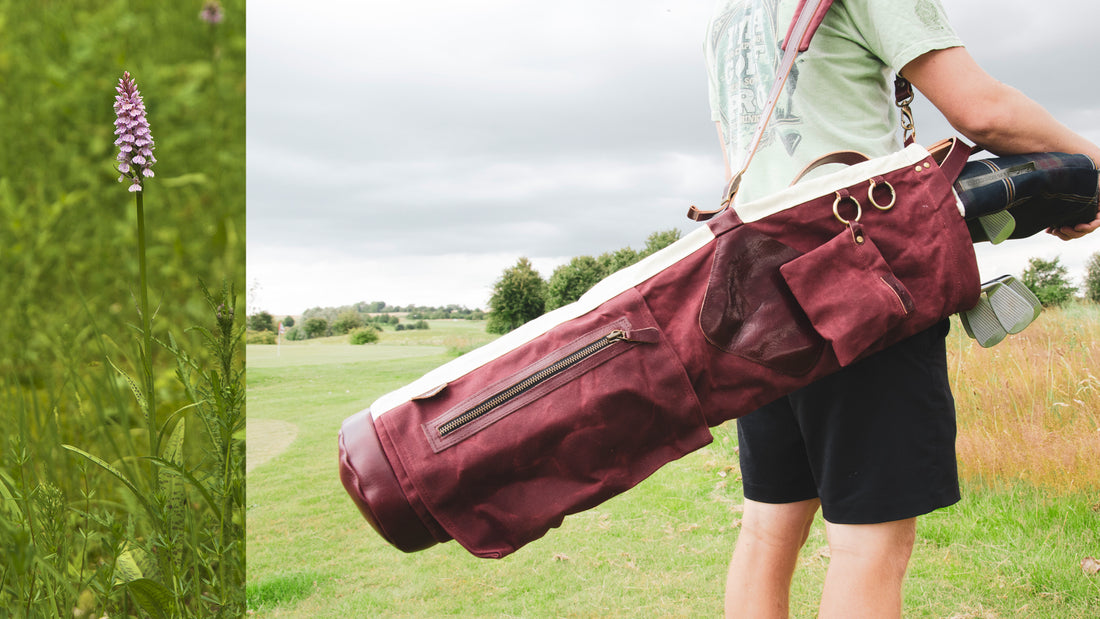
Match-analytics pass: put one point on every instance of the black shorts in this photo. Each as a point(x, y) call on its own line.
point(875, 441)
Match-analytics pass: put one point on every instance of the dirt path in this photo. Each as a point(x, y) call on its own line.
point(266, 439)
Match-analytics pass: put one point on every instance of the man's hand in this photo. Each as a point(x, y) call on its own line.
point(1068, 233)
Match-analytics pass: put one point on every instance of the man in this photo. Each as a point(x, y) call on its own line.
point(873, 445)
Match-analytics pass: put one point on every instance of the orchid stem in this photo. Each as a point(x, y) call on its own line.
point(147, 334)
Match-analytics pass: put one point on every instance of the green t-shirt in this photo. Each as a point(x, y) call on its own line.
point(840, 94)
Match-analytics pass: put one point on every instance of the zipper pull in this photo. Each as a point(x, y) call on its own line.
point(649, 335)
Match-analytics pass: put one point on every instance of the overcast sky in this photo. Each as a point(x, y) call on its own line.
point(408, 151)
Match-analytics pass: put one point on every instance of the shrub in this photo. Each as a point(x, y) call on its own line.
point(295, 334)
point(363, 335)
point(347, 321)
point(260, 337)
point(315, 327)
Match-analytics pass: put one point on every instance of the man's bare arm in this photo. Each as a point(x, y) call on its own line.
point(994, 115)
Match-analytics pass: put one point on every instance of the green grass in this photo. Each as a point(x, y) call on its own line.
point(69, 284)
point(660, 550)
point(281, 590)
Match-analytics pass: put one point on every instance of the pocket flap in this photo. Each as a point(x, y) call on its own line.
point(849, 292)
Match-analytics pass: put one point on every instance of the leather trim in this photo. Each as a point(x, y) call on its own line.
point(369, 479)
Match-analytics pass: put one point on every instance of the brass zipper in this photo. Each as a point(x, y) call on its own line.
point(531, 381)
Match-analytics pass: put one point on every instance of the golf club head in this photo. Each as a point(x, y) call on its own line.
point(997, 226)
point(981, 323)
point(1014, 305)
point(1027, 294)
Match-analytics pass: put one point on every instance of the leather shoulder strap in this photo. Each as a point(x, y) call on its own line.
point(807, 18)
point(815, 21)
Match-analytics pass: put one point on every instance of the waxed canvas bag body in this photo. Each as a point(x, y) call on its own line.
point(496, 447)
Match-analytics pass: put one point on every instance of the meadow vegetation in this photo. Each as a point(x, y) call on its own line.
point(121, 487)
point(1016, 546)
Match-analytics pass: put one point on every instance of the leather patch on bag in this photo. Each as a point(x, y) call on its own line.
point(748, 310)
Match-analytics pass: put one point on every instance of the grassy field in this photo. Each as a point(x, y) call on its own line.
point(113, 471)
point(1012, 548)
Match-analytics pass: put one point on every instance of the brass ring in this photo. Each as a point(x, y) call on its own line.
point(836, 208)
point(871, 196)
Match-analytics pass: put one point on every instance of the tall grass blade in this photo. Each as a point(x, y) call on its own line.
point(113, 471)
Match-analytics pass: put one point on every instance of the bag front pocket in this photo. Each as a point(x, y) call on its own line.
point(537, 380)
point(849, 292)
point(582, 413)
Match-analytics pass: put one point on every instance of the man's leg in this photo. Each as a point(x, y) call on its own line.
point(759, 580)
point(866, 568)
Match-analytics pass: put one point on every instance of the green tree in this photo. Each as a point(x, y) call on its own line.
point(315, 327)
point(261, 321)
point(346, 321)
point(616, 260)
point(518, 296)
point(1092, 278)
point(570, 281)
point(660, 240)
point(363, 335)
point(288, 322)
point(1049, 280)
point(295, 334)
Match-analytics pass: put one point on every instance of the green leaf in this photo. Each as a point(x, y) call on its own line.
point(126, 568)
point(175, 492)
point(153, 597)
point(133, 387)
point(135, 562)
point(173, 449)
point(8, 484)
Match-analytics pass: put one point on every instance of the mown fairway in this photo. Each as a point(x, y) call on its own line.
point(1011, 548)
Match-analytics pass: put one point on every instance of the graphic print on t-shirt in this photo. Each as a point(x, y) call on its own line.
point(744, 44)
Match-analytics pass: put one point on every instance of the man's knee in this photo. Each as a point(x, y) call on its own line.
point(887, 544)
point(779, 525)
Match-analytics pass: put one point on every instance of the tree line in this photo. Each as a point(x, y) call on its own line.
point(521, 294)
point(363, 321)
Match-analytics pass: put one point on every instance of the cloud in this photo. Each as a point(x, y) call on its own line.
point(440, 140)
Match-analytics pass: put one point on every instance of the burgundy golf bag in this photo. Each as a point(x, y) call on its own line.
point(496, 447)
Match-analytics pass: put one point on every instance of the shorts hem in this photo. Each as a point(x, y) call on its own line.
point(888, 513)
